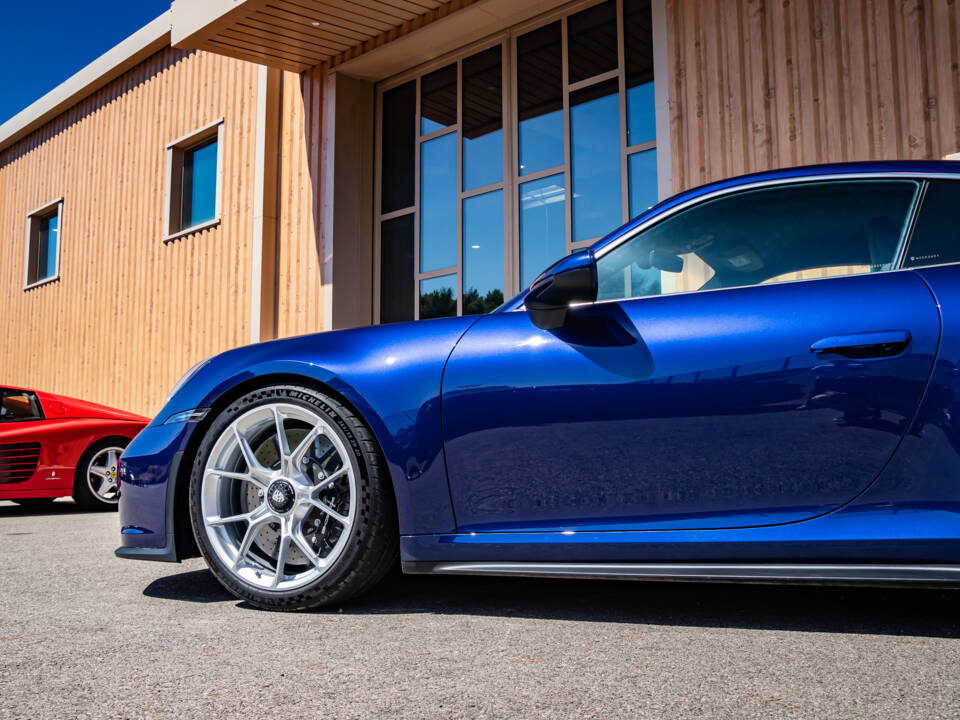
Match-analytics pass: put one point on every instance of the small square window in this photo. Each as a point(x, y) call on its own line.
point(194, 178)
point(43, 244)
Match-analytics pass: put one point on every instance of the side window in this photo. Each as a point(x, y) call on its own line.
point(777, 234)
point(936, 236)
point(18, 405)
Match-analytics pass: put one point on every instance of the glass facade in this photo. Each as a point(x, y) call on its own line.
point(496, 162)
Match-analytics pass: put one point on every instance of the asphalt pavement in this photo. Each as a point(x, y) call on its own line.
point(84, 634)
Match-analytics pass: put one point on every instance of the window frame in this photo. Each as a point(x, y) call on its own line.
point(511, 179)
point(34, 402)
point(41, 213)
point(173, 180)
point(921, 178)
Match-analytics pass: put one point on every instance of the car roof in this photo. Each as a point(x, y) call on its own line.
point(907, 168)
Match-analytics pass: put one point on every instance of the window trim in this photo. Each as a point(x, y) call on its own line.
point(173, 166)
point(31, 216)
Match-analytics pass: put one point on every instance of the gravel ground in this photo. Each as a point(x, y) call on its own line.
point(84, 634)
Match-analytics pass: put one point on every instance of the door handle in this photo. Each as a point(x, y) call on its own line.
point(886, 343)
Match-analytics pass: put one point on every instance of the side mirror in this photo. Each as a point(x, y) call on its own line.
point(571, 280)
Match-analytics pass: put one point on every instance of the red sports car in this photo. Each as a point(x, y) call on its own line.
point(52, 446)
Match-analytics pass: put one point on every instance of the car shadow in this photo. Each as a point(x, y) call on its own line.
point(804, 608)
point(60, 507)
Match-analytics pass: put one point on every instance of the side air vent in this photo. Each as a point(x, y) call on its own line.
point(18, 461)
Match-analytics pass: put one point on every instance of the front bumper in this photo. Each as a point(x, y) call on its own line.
point(149, 469)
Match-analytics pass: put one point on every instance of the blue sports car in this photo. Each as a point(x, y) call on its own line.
point(754, 380)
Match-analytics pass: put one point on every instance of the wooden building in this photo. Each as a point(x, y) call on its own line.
point(240, 170)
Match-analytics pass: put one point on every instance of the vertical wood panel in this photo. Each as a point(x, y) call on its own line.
point(800, 82)
point(129, 314)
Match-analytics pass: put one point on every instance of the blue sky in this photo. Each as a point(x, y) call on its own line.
point(44, 43)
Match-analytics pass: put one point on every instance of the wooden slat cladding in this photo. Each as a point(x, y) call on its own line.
point(300, 260)
point(129, 313)
point(758, 85)
point(296, 35)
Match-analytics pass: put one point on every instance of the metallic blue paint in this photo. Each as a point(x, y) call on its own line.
point(706, 426)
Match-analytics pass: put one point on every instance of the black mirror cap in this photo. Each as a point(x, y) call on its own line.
point(571, 280)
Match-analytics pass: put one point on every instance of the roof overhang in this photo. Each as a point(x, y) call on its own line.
point(375, 38)
point(134, 49)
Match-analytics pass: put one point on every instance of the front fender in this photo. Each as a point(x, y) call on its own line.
point(391, 375)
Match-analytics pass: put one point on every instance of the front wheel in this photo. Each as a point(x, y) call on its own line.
point(289, 501)
point(95, 483)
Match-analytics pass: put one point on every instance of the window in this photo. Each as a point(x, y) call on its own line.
point(43, 244)
point(936, 235)
point(18, 405)
point(511, 154)
point(194, 180)
point(775, 234)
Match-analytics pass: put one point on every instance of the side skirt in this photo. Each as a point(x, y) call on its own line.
point(866, 574)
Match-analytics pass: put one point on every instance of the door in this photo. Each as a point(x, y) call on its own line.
point(753, 360)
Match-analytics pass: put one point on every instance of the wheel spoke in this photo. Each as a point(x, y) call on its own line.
point(256, 520)
point(100, 472)
point(282, 549)
point(282, 443)
point(247, 452)
point(246, 477)
point(305, 444)
point(106, 485)
point(330, 479)
point(217, 521)
point(301, 542)
point(342, 519)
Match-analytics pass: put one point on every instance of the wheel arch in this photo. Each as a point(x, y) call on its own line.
point(185, 542)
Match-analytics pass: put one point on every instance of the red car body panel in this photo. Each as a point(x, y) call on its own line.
point(68, 428)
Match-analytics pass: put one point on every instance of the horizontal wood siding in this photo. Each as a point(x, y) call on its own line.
point(129, 313)
point(757, 85)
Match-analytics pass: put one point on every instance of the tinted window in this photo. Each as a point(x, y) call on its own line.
point(199, 184)
point(18, 405)
point(769, 235)
point(595, 160)
point(592, 41)
point(482, 119)
point(438, 99)
point(396, 273)
point(540, 98)
point(936, 236)
point(399, 138)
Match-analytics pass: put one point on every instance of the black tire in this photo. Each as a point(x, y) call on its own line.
point(82, 494)
point(372, 546)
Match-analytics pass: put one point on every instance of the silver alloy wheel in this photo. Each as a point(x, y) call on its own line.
point(102, 475)
point(278, 496)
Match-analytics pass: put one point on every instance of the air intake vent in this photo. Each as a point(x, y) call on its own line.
point(18, 461)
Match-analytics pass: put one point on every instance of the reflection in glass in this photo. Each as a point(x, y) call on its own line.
point(438, 203)
point(396, 269)
point(540, 98)
point(768, 235)
point(642, 169)
point(438, 297)
point(483, 253)
point(542, 226)
point(397, 153)
point(638, 48)
point(482, 119)
point(199, 202)
point(438, 99)
point(595, 160)
point(592, 41)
